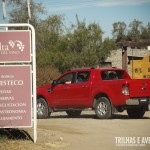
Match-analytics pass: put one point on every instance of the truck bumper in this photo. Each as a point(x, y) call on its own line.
point(138, 101)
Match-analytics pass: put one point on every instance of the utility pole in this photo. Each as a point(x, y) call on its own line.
point(4, 12)
point(29, 12)
point(4, 9)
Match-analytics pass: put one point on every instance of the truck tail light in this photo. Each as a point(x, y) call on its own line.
point(125, 89)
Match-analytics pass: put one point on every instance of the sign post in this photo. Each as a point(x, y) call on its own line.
point(18, 78)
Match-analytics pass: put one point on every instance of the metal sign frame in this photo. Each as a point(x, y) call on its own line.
point(33, 66)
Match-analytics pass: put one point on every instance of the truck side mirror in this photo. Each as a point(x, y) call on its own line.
point(54, 83)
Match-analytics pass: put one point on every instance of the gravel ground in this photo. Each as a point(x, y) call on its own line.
point(84, 133)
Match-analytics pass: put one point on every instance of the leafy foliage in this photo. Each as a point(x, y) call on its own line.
point(119, 30)
point(135, 31)
point(20, 12)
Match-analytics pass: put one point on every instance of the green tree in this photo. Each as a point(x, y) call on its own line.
point(49, 33)
point(148, 30)
point(119, 31)
point(148, 26)
point(107, 47)
point(19, 13)
point(85, 42)
point(134, 30)
point(81, 46)
point(144, 33)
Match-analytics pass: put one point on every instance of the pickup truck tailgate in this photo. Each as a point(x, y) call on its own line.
point(139, 88)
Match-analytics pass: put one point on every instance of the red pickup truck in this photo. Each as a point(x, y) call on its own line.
point(105, 90)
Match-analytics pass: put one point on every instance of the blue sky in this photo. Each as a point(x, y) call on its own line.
point(103, 12)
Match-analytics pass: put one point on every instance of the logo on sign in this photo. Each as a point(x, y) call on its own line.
point(18, 43)
point(13, 47)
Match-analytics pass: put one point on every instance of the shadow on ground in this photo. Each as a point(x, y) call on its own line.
point(121, 116)
point(14, 134)
point(93, 116)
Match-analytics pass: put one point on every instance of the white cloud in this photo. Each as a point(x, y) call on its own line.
point(121, 2)
point(96, 3)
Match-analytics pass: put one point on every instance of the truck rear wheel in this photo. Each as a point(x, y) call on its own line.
point(42, 109)
point(136, 113)
point(103, 108)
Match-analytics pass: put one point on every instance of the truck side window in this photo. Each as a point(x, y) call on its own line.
point(82, 76)
point(111, 75)
point(104, 75)
point(66, 79)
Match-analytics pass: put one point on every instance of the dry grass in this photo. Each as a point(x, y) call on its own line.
point(20, 140)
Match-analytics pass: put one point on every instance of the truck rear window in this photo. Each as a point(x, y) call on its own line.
point(112, 75)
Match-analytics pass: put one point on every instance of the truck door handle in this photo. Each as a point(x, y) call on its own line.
point(84, 86)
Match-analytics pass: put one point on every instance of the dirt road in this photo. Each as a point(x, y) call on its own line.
point(86, 133)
